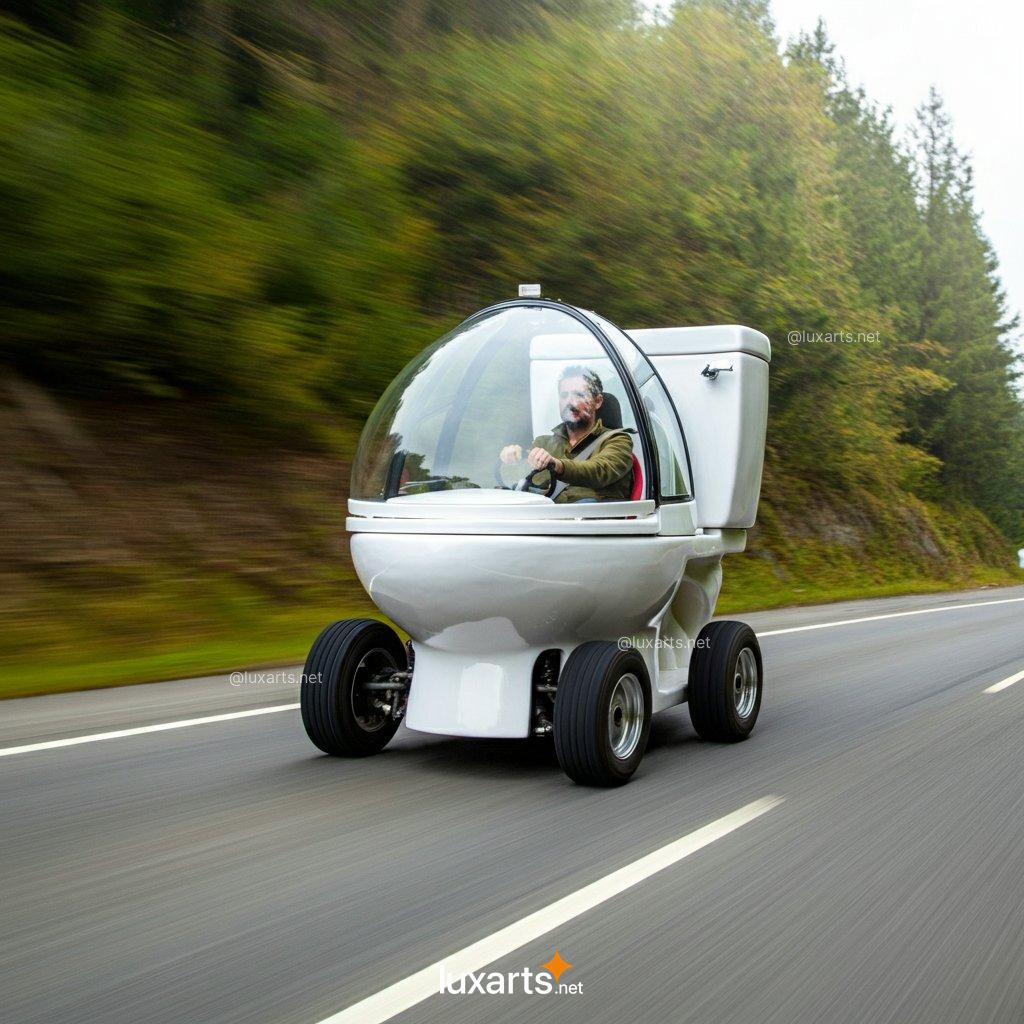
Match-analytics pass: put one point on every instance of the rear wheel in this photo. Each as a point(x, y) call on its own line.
point(726, 681)
point(602, 714)
point(341, 715)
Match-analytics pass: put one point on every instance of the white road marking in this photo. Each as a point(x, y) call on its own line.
point(1004, 683)
point(95, 737)
point(890, 615)
point(395, 999)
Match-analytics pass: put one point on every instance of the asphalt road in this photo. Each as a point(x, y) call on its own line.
point(228, 872)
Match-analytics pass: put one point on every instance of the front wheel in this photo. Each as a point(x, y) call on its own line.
point(341, 715)
point(726, 681)
point(602, 714)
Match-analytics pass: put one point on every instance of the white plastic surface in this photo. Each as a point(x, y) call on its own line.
point(724, 419)
point(681, 341)
point(480, 609)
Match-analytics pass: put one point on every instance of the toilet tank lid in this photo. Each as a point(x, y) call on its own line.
point(683, 341)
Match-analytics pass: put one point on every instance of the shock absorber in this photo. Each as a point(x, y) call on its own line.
point(545, 685)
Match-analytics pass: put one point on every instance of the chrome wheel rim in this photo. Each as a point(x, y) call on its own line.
point(744, 683)
point(626, 716)
point(366, 713)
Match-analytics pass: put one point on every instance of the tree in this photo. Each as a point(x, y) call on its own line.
point(974, 427)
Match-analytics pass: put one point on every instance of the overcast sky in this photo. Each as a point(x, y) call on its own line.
point(972, 52)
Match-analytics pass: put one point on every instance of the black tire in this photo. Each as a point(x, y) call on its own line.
point(584, 728)
point(337, 715)
point(722, 707)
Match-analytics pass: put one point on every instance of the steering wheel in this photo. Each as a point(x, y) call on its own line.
point(525, 483)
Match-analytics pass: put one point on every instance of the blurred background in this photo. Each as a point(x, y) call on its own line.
point(224, 227)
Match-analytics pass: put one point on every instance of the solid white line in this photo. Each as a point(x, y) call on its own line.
point(1004, 683)
point(95, 737)
point(394, 999)
point(890, 615)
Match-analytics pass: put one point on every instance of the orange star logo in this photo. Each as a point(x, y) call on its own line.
point(557, 966)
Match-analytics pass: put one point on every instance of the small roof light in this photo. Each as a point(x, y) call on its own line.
point(529, 291)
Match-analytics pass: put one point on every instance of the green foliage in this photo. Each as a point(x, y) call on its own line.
point(267, 264)
point(973, 428)
point(273, 207)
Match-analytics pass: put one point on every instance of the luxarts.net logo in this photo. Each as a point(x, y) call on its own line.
point(546, 981)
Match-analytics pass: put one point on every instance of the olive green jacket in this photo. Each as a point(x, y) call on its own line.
point(607, 475)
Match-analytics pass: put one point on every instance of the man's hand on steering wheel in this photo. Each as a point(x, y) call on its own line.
point(538, 458)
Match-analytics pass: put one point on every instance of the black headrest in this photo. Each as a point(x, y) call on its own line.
point(610, 413)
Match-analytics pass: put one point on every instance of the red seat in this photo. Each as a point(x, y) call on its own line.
point(637, 490)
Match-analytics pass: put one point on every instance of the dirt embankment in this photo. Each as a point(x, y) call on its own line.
point(100, 489)
point(157, 537)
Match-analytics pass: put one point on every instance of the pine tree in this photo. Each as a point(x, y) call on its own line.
point(974, 426)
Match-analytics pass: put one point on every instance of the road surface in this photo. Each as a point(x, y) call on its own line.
point(226, 871)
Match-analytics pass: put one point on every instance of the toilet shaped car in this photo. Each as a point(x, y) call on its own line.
point(528, 615)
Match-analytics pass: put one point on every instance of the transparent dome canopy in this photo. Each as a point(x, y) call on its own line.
point(492, 382)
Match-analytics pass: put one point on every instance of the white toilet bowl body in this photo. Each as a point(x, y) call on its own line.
point(481, 608)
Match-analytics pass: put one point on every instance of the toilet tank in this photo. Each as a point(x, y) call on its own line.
point(724, 417)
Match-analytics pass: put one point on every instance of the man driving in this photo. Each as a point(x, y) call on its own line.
point(601, 472)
